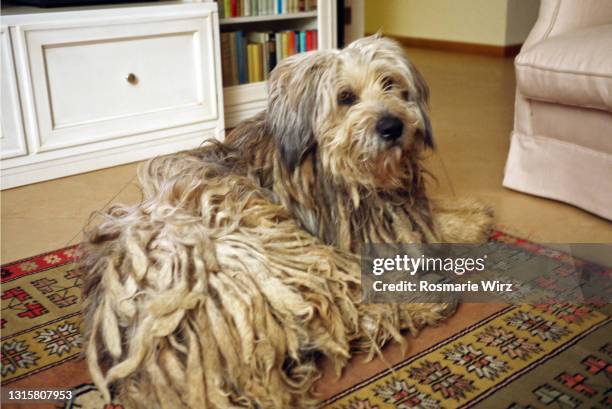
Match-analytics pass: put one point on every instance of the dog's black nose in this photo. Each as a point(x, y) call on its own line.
point(389, 127)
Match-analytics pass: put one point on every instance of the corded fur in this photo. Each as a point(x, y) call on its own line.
point(238, 269)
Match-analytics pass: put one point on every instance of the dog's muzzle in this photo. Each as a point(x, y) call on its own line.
point(389, 127)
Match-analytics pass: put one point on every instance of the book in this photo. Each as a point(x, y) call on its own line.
point(278, 39)
point(241, 58)
point(226, 63)
point(234, 80)
point(259, 62)
point(302, 41)
point(250, 63)
point(265, 60)
point(261, 7)
point(255, 62)
point(221, 8)
point(260, 38)
point(285, 44)
point(271, 53)
point(309, 40)
point(291, 47)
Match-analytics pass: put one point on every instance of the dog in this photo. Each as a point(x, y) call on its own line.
point(240, 269)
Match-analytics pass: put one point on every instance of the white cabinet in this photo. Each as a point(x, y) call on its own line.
point(85, 88)
point(12, 138)
point(108, 85)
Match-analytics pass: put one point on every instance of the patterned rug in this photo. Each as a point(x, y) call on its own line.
point(557, 356)
point(40, 314)
point(519, 357)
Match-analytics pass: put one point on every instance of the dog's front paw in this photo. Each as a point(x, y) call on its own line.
point(463, 220)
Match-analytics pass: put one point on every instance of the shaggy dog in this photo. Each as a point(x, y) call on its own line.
point(240, 268)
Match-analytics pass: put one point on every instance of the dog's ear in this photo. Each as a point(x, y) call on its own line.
point(293, 104)
point(422, 100)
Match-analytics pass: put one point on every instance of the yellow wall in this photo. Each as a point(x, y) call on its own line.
point(469, 21)
point(522, 15)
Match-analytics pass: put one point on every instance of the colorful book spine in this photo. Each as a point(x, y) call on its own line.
point(251, 62)
point(271, 52)
point(265, 60)
point(309, 40)
point(302, 41)
point(221, 8)
point(290, 42)
point(286, 51)
point(233, 59)
point(226, 63)
point(261, 7)
point(278, 39)
point(259, 62)
point(241, 58)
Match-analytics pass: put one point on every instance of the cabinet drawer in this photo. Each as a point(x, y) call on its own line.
point(108, 79)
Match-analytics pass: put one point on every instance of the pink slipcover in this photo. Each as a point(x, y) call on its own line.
point(561, 145)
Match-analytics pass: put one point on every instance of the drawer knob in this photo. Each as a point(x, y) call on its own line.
point(132, 79)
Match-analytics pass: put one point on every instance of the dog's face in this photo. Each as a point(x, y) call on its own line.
point(363, 110)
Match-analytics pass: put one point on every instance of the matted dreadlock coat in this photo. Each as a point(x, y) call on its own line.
point(239, 268)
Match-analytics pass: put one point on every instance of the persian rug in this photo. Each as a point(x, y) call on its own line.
point(517, 357)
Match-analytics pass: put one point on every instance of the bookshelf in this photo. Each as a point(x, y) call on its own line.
point(245, 100)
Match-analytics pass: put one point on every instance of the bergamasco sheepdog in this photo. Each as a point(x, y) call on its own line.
point(240, 268)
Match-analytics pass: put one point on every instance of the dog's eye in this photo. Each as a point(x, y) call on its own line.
point(347, 98)
point(406, 95)
point(388, 83)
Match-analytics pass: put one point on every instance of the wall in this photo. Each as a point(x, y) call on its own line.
point(356, 29)
point(522, 15)
point(491, 22)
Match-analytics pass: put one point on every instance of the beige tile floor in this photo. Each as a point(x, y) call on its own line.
point(472, 109)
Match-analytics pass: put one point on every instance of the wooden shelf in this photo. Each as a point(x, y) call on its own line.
point(253, 84)
point(246, 100)
point(243, 101)
point(269, 17)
